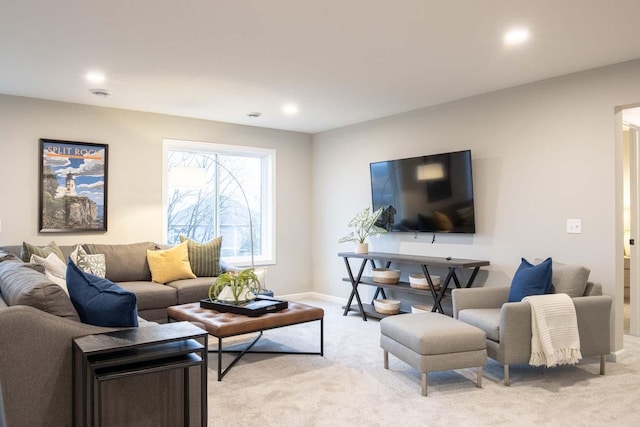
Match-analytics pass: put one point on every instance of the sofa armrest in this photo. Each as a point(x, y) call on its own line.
point(489, 297)
point(36, 365)
point(594, 314)
point(515, 332)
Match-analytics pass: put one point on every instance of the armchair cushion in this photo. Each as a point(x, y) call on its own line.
point(487, 319)
point(531, 279)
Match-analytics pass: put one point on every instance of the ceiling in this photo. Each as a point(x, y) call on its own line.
point(340, 61)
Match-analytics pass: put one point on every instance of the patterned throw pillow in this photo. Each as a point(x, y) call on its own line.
point(204, 257)
point(89, 263)
point(29, 249)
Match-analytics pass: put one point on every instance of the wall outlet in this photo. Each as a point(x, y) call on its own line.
point(574, 226)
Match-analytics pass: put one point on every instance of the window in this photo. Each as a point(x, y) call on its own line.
point(221, 190)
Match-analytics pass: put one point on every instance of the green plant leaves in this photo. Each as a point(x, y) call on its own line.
point(364, 224)
point(238, 282)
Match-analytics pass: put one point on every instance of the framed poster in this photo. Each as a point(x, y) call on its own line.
point(73, 186)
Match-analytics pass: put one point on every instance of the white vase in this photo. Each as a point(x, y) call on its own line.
point(362, 248)
point(226, 295)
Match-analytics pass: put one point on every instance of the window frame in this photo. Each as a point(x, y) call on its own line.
point(268, 208)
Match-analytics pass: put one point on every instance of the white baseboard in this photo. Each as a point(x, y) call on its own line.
point(616, 356)
point(314, 295)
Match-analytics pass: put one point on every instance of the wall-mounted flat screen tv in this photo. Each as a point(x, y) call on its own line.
point(431, 193)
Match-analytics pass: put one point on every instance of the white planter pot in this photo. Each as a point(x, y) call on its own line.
point(362, 248)
point(226, 295)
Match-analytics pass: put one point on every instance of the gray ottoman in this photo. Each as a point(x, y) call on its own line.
point(433, 342)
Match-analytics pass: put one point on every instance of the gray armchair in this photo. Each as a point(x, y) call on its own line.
point(508, 324)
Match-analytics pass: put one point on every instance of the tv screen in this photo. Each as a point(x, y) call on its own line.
point(425, 194)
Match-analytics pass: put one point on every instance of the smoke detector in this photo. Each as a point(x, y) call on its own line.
point(102, 93)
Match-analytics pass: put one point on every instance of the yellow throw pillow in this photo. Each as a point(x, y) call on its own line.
point(170, 264)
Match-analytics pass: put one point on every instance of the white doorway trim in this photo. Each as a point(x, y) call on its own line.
point(631, 117)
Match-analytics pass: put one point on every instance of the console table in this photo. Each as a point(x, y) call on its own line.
point(138, 351)
point(385, 259)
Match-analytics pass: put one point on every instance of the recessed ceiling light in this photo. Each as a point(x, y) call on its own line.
point(102, 93)
point(516, 36)
point(95, 77)
point(290, 109)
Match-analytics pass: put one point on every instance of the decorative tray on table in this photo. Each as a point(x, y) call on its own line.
point(257, 307)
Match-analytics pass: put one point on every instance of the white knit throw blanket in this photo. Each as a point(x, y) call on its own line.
point(554, 330)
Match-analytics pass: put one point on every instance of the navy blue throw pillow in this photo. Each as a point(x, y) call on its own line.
point(99, 301)
point(530, 280)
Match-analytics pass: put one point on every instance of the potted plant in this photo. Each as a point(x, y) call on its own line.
point(364, 224)
point(235, 286)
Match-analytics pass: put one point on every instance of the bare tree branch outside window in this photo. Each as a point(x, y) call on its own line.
point(216, 207)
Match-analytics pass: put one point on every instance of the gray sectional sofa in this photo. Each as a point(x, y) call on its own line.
point(38, 322)
point(128, 267)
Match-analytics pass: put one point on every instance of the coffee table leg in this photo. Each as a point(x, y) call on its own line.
point(219, 359)
point(222, 373)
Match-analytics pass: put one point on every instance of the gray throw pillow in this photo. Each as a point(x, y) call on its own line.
point(568, 279)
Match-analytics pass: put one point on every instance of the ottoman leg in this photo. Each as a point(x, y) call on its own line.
point(506, 375)
point(424, 383)
point(386, 359)
point(479, 381)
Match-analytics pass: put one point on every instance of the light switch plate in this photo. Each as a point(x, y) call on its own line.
point(574, 226)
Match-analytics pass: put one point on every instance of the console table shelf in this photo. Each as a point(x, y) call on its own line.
point(425, 262)
point(402, 286)
point(370, 311)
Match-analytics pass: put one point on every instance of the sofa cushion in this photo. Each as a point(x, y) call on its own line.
point(28, 249)
point(99, 301)
point(151, 295)
point(126, 262)
point(530, 279)
point(192, 290)
point(170, 264)
point(21, 285)
point(568, 279)
point(487, 319)
point(204, 257)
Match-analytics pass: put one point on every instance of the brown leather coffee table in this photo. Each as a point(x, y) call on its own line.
point(225, 325)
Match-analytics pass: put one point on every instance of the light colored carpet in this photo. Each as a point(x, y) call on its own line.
point(350, 387)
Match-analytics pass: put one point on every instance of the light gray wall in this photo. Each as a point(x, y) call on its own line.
point(135, 175)
point(542, 153)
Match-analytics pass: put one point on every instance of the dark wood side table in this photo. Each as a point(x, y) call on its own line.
point(139, 351)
